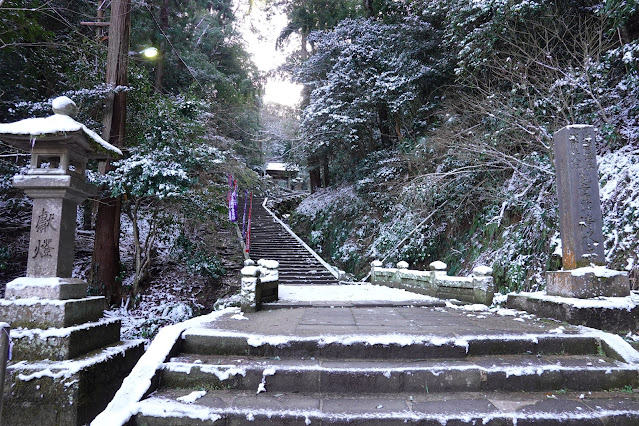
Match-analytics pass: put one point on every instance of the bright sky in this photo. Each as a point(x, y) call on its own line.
point(260, 33)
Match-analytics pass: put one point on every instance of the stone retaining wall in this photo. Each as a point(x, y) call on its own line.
point(477, 288)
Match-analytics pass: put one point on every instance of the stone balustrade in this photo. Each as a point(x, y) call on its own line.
point(477, 288)
point(259, 284)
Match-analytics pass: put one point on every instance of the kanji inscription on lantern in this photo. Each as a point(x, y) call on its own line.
point(580, 216)
point(44, 222)
point(43, 248)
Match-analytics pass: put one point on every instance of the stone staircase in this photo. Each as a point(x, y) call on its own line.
point(551, 380)
point(270, 240)
point(220, 377)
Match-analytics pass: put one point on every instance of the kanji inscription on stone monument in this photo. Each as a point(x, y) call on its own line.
point(580, 217)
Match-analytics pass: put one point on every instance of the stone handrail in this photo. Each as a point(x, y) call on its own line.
point(5, 343)
point(259, 284)
point(477, 288)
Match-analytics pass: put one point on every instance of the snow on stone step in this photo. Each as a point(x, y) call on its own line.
point(380, 346)
point(236, 408)
point(473, 374)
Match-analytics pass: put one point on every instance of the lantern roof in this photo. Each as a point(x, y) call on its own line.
point(59, 127)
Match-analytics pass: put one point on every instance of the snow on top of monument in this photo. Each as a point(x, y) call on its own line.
point(277, 166)
point(55, 124)
point(599, 271)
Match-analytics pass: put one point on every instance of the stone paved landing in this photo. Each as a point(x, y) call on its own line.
point(438, 321)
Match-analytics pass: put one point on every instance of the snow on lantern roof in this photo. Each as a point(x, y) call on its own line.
point(281, 167)
point(55, 126)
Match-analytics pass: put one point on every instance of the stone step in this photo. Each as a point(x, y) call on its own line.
point(70, 392)
point(512, 373)
point(290, 304)
point(58, 344)
point(383, 346)
point(247, 408)
point(47, 313)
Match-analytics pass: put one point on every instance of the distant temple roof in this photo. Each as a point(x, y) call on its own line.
point(281, 167)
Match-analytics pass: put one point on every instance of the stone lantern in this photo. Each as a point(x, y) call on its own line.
point(72, 355)
point(60, 148)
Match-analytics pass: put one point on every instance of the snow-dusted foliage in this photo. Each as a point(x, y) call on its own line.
point(365, 76)
point(467, 175)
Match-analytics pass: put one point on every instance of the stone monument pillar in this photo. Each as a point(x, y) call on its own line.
point(580, 220)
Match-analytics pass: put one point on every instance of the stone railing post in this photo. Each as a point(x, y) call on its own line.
point(438, 269)
point(483, 284)
point(250, 277)
point(267, 288)
point(5, 343)
point(375, 264)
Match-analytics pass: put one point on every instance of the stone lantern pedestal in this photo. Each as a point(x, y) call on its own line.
point(68, 361)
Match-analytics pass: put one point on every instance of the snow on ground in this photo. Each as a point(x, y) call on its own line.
point(346, 293)
point(628, 303)
point(124, 403)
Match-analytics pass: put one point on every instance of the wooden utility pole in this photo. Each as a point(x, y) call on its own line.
point(106, 253)
point(159, 65)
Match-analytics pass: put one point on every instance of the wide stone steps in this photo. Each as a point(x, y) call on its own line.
point(352, 376)
point(213, 342)
point(231, 378)
point(269, 240)
point(491, 409)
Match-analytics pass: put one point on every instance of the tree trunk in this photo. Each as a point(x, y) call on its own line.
point(326, 173)
point(368, 7)
point(384, 129)
point(316, 179)
point(304, 45)
point(106, 253)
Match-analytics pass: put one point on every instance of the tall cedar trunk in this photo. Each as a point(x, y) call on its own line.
point(316, 179)
point(304, 45)
point(368, 7)
point(106, 253)
point(326, 175)
point(382, 115)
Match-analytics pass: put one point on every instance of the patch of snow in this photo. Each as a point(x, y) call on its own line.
point(598, 271)
point(67, 368)
point(192, 397)
point(483, 270)
point(477, 307)
point(239, 316)
point(347, 293)
point(438, 265)
point(30, 333)
point(627, 303)
point(166, 408)
point(269, 264)
point(500, 299)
